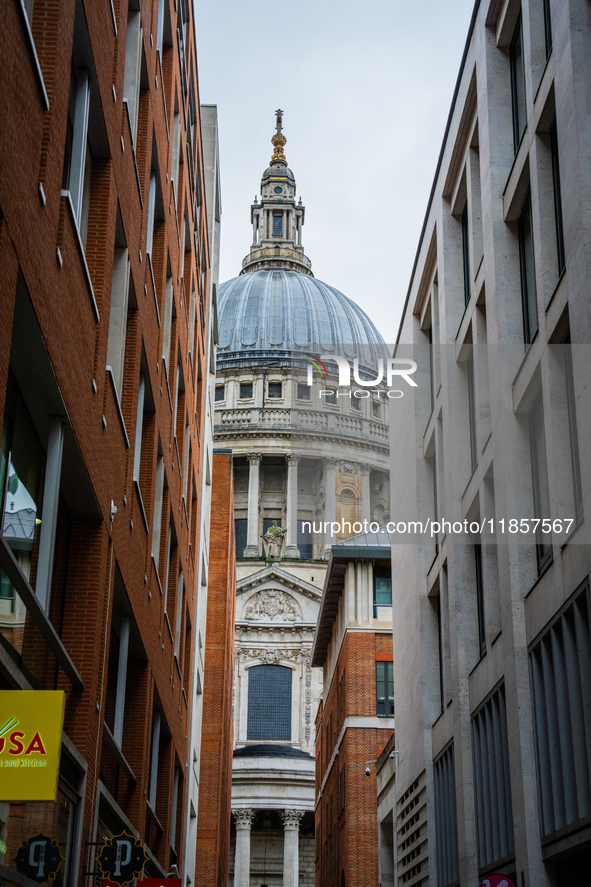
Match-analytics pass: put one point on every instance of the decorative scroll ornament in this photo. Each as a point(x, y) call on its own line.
point(270, 655)
point(291, 819)
point(273, 605)
point(244, 817)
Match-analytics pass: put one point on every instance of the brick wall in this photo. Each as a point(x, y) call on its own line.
point(215, 785)
point(346, 815)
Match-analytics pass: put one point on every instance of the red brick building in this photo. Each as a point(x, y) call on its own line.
point(353, 645)
point(105, 337)
point(215, 784)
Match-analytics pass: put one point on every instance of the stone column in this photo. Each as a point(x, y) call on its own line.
point(244, 820)
point(252, 532)
point(330, 503)
point(291, 846)
point(365, 471)
point(291, 507)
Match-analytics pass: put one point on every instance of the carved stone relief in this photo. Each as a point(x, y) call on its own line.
point(272, 605)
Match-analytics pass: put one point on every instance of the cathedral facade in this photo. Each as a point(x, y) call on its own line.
point(311, 467)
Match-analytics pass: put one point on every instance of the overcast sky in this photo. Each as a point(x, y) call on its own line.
point(365, 89)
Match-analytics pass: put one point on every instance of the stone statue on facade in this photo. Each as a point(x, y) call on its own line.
point(274, 537)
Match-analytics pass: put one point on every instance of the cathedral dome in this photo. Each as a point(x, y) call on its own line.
point(272, 313)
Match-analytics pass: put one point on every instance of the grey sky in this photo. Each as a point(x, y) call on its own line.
point(365, 89)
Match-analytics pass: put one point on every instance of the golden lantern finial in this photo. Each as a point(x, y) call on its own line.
point(278, 140)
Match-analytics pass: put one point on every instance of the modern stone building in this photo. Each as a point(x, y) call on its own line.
point(301, 458)
point(492, 634)
point(106, 275)
point(353, 646)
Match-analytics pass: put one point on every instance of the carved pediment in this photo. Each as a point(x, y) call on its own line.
point(272, 605)
point(280, 579)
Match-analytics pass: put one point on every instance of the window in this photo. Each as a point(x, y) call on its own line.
point(355, 403)
point(479, 597)
point(176, 144)
point(305, 539)
point(384, 689)
point(275, 389)
point(269, 703)
point(240, 529)
point(539, 467)
point(220, 393)
point(375, 409)
point(446, 823)
point(557, 200)
point(547, 27)
point(245, 390)
point(466, 253)
point(158, 501)
point(472, 411)
point(169, 314)
point(122, 300)
point(560, 676)
point(133, 67)
point(517, 84)
point(342, 788)
point(382, 590)
point(155, 753)
point(528, 280)
point(75, 177)
point(277, 225)
point(330, 396)
point(303, 392)
point(490, 750)
point(573, 429)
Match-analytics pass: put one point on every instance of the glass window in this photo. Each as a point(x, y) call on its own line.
point(275, 389)
point(517, 84)
point(305, 539)
point(472, 411)
point(557, 200)
point(330, 396)
point(355, 403)
point(528, 279)
point(382, 589)
point(573, 429)
point(269, 703)
point(539, 466)
point(547, 27)
point(240, 529)
point(480, 597)
point(466, 253)
point(220, 393)
point(303, 392)
point(277, 225)
point(375, 409)
point(384, 689)
point(245, 390)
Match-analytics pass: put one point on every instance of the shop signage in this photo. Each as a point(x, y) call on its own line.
point(122, 858)
point(496, 880)
point(39, 858)
point(30, 744)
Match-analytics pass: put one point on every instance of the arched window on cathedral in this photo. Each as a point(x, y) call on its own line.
point(269, 703)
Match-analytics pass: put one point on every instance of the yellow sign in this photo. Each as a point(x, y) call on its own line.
point(30, 743)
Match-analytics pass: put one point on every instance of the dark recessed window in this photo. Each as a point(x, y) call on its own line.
point(466, 253)
point(547, 27)
point(517, 85)
point(557, 200)
point(480, 597)
point(384, 689)
point(275, 389)
point(245, 390)
point(278, 189)
point(269, 703)
point(382, 589)
point(240, 528)
point(539, 467)
point(472, 411)
point(528, 277)
point(375, 409)
point(277, 226)
point(330, 396)
point(303, 392)
point(355, 403)
point(220, 392)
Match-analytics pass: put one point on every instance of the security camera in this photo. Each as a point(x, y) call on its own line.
point(174, 872)
point(367, 771)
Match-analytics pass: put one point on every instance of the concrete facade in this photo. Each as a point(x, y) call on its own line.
point(488, 726)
